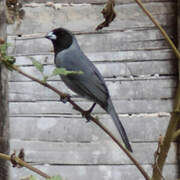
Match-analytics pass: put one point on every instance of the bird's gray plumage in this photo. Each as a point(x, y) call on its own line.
point(90, 83)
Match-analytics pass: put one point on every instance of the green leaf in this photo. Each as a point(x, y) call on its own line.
point(38, 65)
point(55, 178)
point(4, 47)
point(63, 71)
point(32, 178)
point(45, 78)
point(7, 60)
point(10, 59)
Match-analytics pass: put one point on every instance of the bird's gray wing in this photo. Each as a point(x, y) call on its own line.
point(90, 83)
point(89, 86)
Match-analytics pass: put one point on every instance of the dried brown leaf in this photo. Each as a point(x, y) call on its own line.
point(2, 41)
point(108, 13)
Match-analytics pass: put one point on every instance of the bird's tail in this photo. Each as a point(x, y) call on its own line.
point(111, 110)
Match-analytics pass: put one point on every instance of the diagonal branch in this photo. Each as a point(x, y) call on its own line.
point(24, 164)
point(82, 111)
point(160, 28)
point(175, 118)
point(176, 134)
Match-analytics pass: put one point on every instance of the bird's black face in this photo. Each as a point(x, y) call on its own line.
point(61, 39)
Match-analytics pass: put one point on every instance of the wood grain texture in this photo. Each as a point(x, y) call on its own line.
point(140, 71)
point(100, 172)
point(135, 40)
point(59, 128)
point(93, 1)
point(113, 70)
point(55, 107)
point(119, 90)
point(103, 152)
point(113, 57)
point(86, 17)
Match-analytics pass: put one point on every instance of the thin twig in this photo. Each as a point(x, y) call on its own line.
point(175, 118)
point(82, 111)
point(24, 164)
point(156, 155)
point(160, 28)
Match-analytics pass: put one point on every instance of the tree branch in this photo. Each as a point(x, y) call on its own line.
point(24, 164)
point(176, 134)
point(177, 53)
point(78, 108)
point(175, 116)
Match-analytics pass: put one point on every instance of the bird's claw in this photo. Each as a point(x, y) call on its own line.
point(86, 114)
point(64, 99)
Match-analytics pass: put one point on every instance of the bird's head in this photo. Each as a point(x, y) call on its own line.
point(61, 39)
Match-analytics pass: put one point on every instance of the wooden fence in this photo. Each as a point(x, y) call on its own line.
point(140, 71)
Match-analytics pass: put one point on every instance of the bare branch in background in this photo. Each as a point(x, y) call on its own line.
point(175, 119)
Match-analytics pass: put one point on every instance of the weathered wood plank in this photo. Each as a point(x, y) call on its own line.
point(127, 72)
point(55, 107)
point(115, 70)
point(90, 145)
point(117, 41)
point(94, 1)
point(86, 17)
point(103, 152)
point(144, 128)
point(139, 89)
point(107, 57)
point(101, 172)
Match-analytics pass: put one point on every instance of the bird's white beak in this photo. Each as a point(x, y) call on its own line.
point(51, 36)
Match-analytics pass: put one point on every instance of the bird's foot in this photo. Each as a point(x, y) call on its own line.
point(87, 113)
point(65, 98)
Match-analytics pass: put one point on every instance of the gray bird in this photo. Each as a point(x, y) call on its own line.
point(90, 84)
